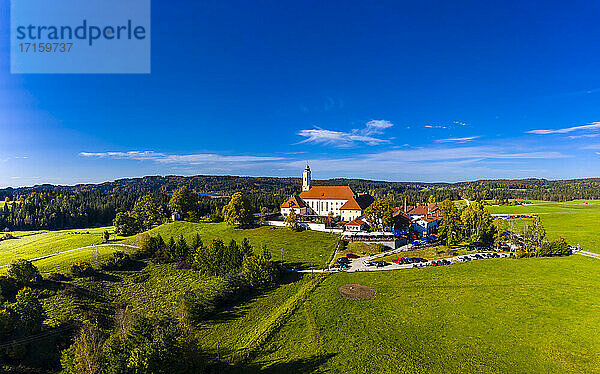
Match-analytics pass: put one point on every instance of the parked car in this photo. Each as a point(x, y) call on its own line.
point(343, 260)
point(351, 255)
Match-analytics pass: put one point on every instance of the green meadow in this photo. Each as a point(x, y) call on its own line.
point(311, 249)
point(578, 221)
point(488, 316)
point(537, 315)
point(33, 244)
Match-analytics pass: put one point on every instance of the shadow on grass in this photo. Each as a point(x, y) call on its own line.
point(236, 309)
point(305, 365)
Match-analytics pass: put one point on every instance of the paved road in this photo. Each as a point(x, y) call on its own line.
point(77, 249)
point(586, 253)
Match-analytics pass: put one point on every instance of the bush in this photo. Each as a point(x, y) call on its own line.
point(7, 236)
point(24, 272)
point(8, 288)
point(82, 269)
point(119, 260)
point(58, 277)
point(381, 248)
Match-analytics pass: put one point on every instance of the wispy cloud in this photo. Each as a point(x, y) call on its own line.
point(590, 126)
point(458, 140)
point(366, 135)
point(445, 125)
point(198, 158)
point(583, 136)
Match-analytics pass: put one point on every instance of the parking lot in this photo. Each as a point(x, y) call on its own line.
point(370, 263)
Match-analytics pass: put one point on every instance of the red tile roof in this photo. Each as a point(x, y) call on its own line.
point(293, 202)
point(328, 192)
point(421, 210)
point(356, 222)
point(360, 202)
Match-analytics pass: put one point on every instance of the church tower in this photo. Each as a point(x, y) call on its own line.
point(306, 178)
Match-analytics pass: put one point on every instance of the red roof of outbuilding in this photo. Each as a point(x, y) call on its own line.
point(293, 202)
point(356, 222)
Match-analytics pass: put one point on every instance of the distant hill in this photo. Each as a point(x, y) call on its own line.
point(227, 184)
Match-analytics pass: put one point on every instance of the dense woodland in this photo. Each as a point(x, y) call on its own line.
point(59, 207)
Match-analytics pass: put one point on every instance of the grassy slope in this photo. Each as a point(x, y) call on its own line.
point(157, 289)
point(506, 316)
point(306, 248)
point(576, 221)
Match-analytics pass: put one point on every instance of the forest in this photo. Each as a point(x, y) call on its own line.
point(92, 205)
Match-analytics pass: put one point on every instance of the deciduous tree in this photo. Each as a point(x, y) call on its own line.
point(238, 212)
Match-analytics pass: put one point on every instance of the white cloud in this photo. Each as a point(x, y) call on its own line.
point(198, 158)
point(348, 139)
point(583, 136)
point(376, 126)
point(590, 126)
point(458, 140)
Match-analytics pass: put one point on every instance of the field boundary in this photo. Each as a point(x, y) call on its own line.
point(273, 322)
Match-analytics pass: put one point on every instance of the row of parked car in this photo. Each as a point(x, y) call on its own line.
point(479, 256)
point(408, 260)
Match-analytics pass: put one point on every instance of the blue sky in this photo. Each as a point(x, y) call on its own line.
point(400, 91)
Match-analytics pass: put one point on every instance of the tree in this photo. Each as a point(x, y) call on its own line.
point(559, 247)
point(125, 224)
point(24, 272)
point(81, 269)
point(238, 212)
point(86, 355)
point(147, 213)
point(450, 227)
point(105, 236)
point(259, 272)
point(431, 199)
point(477, 224)
point(185, 202)
point(379, 214)
point(291, 221)
point(538, 233)
point(29, 310)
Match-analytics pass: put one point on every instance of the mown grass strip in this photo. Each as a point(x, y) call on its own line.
point(273, 322)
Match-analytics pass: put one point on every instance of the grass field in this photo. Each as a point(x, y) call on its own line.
point(304, 249)
point(34, 244)
point(536, 315)
point(578, 221)
point(494, 316)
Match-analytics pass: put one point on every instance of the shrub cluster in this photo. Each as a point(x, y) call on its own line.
point(82, 269)
point(118, 260)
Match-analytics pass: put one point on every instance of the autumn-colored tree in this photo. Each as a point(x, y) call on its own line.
point(147, 213)
point(477, 224)
point(238, 212)
point(184, 202)
point(291, 221)
point(449, 229)
point(379, 214)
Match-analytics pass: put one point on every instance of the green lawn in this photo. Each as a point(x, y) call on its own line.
point(34, 244)
point(577, 220)
point(495, 316)
point(306, 248)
